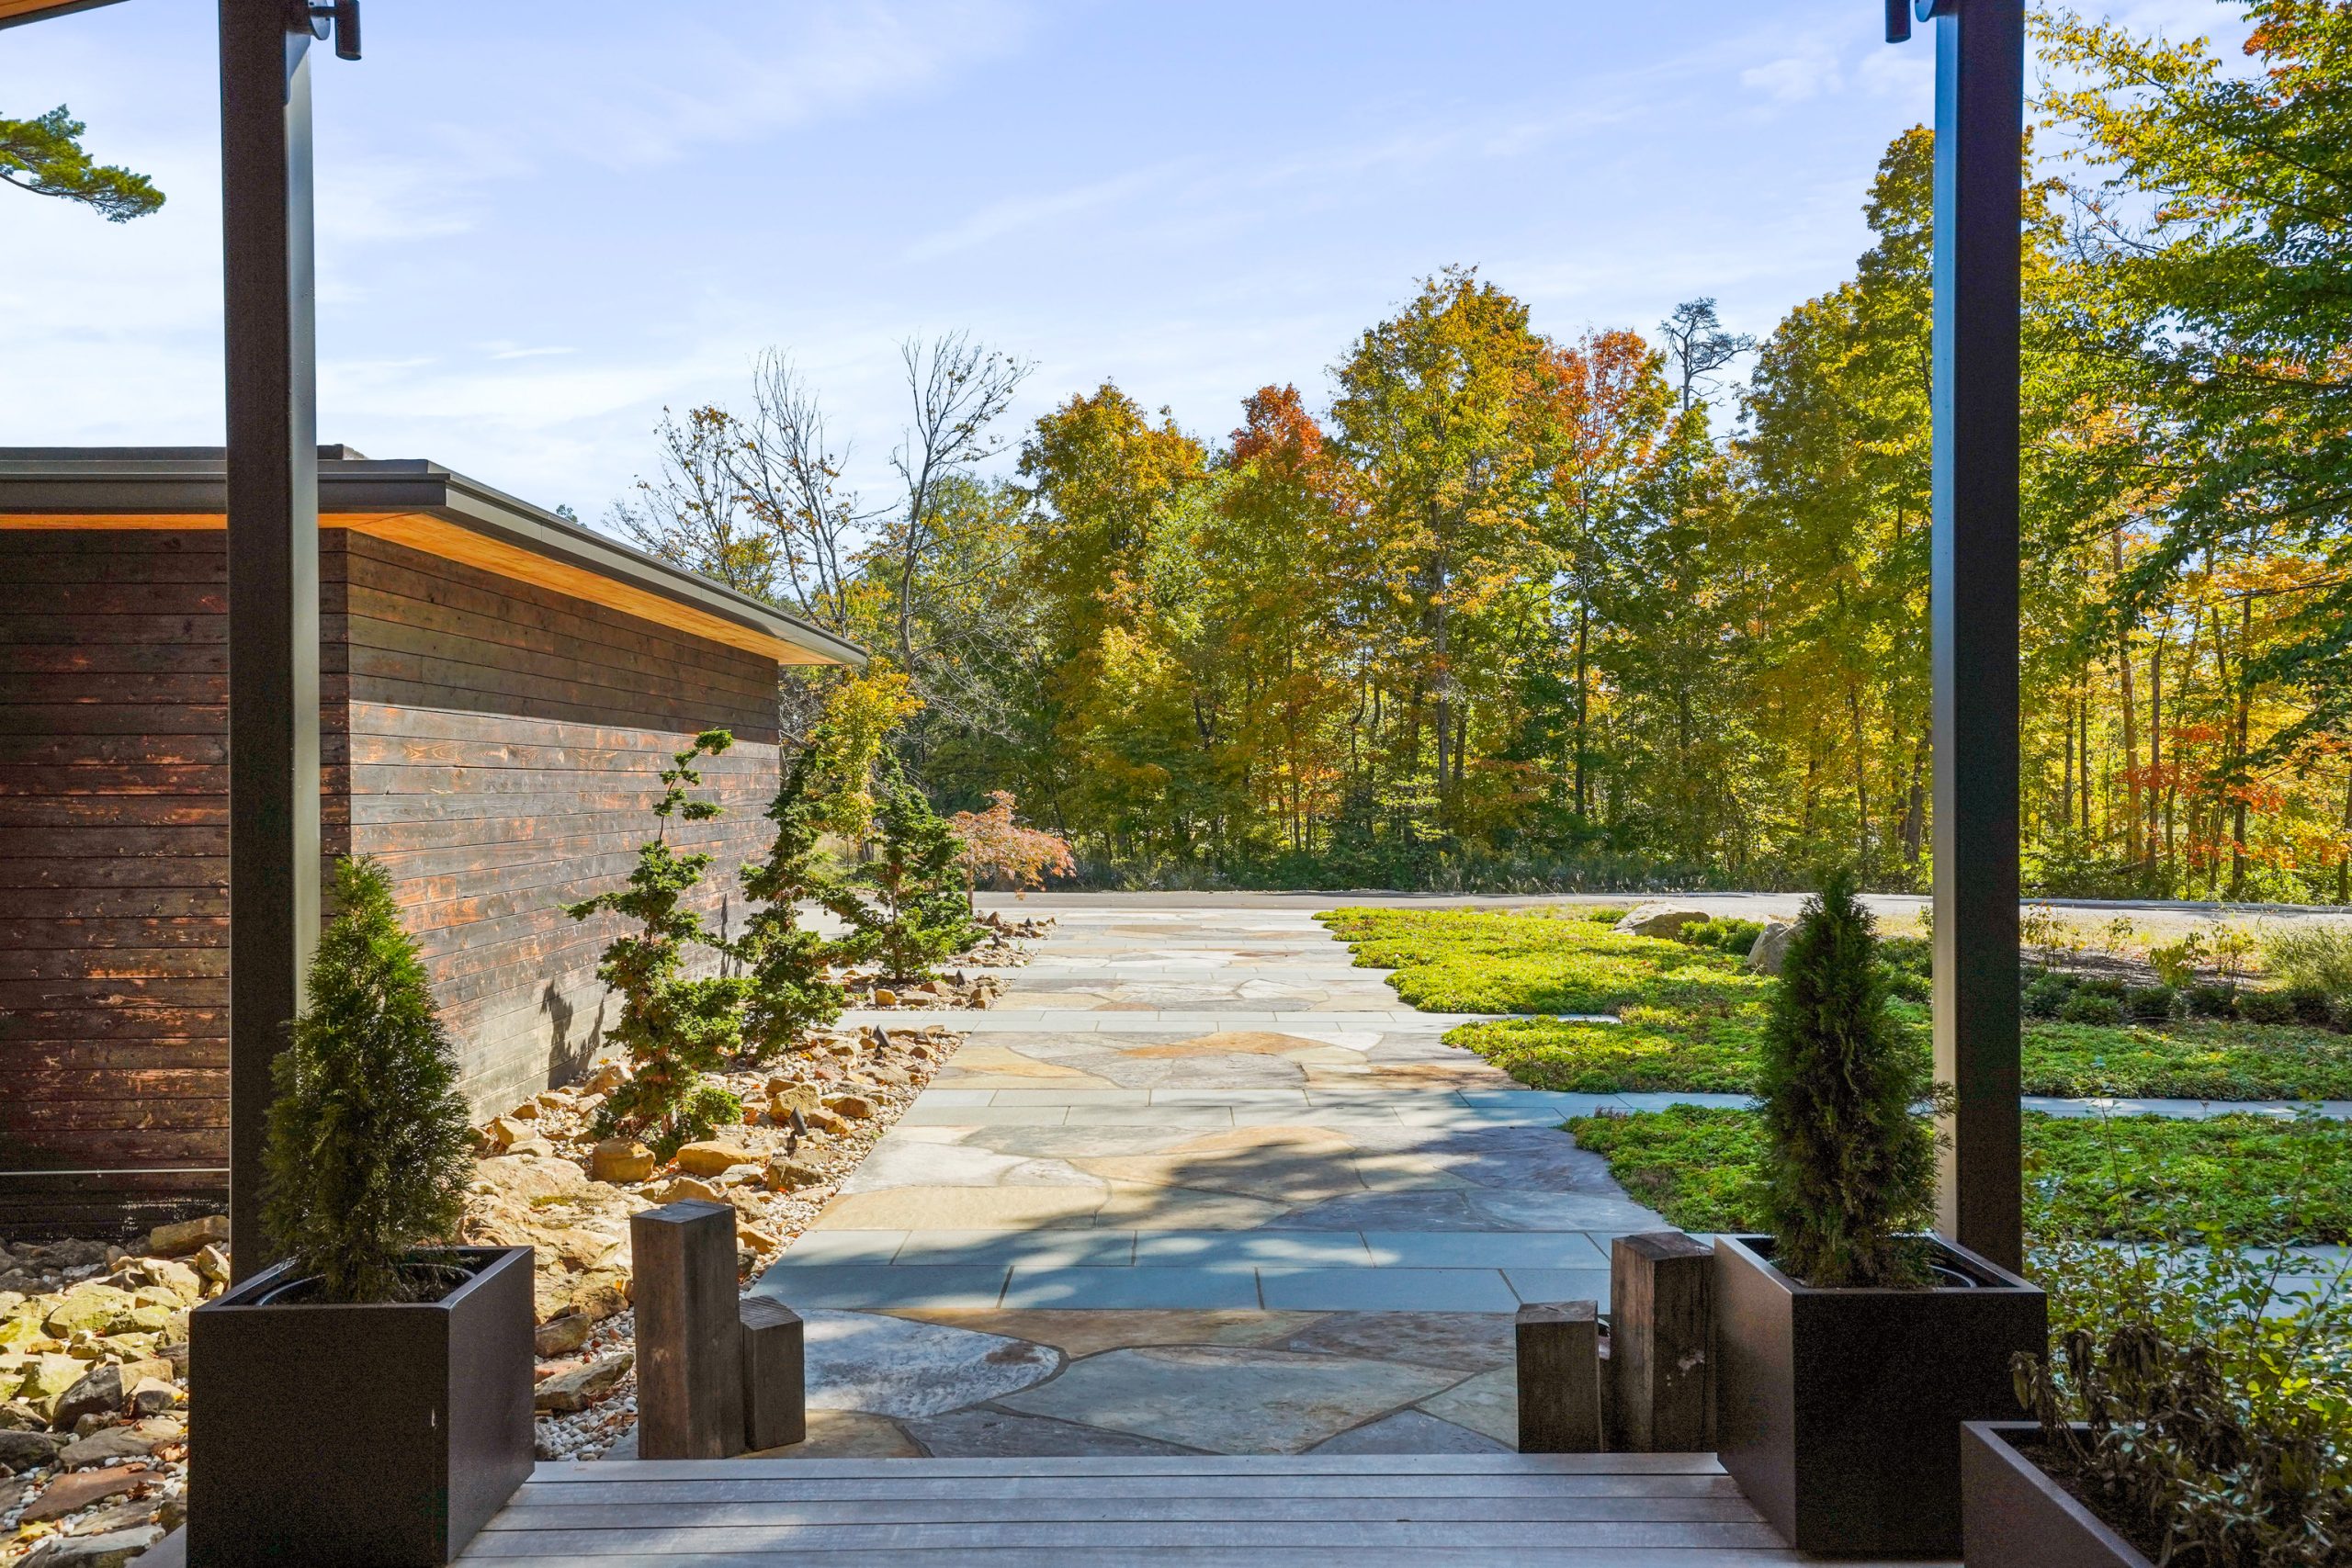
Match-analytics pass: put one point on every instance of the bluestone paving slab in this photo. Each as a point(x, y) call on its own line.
point(1411, 1432)
point(984, 1433)
point(1051, 1249)
point(896, 1366)
point(1560, 1284)
point(1102, 1288)
point(1484, 1249)
point(865, 1286)
point(1386, 1290)
point(1227, 1250)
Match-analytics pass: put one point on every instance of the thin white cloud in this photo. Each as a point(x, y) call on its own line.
point(1794, 78)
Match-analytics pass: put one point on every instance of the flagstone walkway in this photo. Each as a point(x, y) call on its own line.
point(1197, 1186)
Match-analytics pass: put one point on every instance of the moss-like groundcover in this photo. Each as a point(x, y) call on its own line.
point(1689, 1017)
point(2241, 1179)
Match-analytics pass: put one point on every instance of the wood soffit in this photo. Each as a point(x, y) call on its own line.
point(416, 504)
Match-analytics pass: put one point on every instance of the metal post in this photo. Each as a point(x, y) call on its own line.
point(273, 485)
point(1980, 127)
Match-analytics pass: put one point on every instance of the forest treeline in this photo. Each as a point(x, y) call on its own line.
point(1514, 610)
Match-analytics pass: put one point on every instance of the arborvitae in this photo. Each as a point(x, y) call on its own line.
point(917, 915)
point(673, 1029)
point(1851, 1170)
point(369, 1151)
point(792, 990)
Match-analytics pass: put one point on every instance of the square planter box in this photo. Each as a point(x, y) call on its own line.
point(368, 1436)
point(2014, 1516)
point(1839, 1410)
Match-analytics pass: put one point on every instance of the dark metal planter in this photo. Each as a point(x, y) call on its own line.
point(1839, 1410)
point(2014, 1516)
point(365, 1436)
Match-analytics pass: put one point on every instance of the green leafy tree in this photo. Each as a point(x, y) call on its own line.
point(1850, 1171)
point(44, 156)
point(675, 1029)
point(792, 988)
point(369, 1153)
point(916, 915)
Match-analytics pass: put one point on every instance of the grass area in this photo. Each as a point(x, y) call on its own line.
point(1567, 961)
point(1690, 1019)
point(2240, 1178)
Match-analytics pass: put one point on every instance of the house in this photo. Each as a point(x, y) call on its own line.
point(499, 689)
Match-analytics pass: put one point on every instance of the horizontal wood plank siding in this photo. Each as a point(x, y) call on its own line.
point(496, 743)
point(500, 746)
point(113, 862)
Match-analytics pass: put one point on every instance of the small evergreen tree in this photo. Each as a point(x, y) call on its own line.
point(1849, 1169)
point(917, 915)
point(369, 1150)
point(673, 1029)
point(792, 990)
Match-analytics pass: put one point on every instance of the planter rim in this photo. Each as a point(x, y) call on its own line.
point(492, 1260)
point(1996, 1435)
point(2004, 1283)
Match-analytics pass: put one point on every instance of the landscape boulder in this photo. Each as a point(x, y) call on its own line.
point(1771, 948)
point(620, 1159)
point(183, 1237)
point(1665, 921)
point(28, 1450)
point(111, 1550)
point(713, 1158)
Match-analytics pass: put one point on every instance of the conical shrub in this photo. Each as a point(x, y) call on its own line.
point(369, 1148)
point(1851, 1170)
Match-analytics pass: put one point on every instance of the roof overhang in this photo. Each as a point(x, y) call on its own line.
point(413, 503)
point(16, 13)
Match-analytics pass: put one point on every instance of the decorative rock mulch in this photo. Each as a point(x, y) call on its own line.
point(93, 1391)
point(547, 1181)
point(93, 1337)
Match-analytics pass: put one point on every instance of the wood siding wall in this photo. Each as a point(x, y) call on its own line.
point(495, 743)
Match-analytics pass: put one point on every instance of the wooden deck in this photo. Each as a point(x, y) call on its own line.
point(1579, 1511)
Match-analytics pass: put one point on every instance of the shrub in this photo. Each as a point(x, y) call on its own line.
point(792, 990)
point(2048, 995)
point(2305, 954)
point(1849, 1170)
point(2176, 962)
point(1725, 933)
point(2265, 1006)
point(2101, 986)
point(673, 1029)
point(996, 847)
point(917, 915)
point(2086, 1006)
point(2148, 1004)
point(2312, 1007)
point(2210, 1001)
point(368, 1154)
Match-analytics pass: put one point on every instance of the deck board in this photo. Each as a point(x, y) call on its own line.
point(1412, 1511)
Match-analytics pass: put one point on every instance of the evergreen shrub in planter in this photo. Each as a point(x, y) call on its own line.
point(368, 1401)
point(1850, 1346)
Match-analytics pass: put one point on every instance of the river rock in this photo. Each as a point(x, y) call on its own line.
point(1661, 920)
point(562, 1335)
point(620, 1159)
point(70, 1493)
point(111, 1550)
point(598, 1294)
point(791, 1176)
point(28, 1450)
point(1771, 949)
point(582, 1386)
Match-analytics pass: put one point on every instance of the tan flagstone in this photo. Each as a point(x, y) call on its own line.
point(1488, 1403)
point(975, 1060)
point(846, 1434)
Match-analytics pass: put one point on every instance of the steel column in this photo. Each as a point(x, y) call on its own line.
point(273, 483)
point(1980, 125)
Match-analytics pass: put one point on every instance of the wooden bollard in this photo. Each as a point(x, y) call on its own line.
point(775, 1393)
point(1559, 1378)
point(1662, 1344)
point(689, 1338)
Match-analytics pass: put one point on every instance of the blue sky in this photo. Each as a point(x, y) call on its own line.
point(542, 221)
